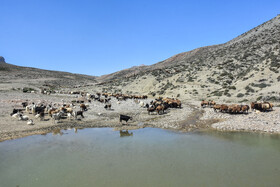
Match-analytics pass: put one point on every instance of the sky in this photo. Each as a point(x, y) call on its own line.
point(97, 37)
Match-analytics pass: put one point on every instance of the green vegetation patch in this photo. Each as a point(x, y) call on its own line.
point(27, 90)
point(261, 85)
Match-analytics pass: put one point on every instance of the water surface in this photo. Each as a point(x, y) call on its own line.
point(145, 157)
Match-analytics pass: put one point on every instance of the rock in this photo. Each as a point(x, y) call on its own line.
point(2, 59)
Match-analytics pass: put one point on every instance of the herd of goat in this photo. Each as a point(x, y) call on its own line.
point(55, 111)
point(77, 107)
point(236, 108)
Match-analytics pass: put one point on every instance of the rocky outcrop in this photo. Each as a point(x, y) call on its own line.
point(2, 59)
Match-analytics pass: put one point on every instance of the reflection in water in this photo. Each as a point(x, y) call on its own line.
point(247, 138)
point(125, 133)
point(57, 131)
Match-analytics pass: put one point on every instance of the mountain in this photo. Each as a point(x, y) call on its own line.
point(12, 76)
point(245, 68)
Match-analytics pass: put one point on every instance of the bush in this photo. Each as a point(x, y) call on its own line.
point(190, 79)
point(27, 90)
point(249, 89)
point(240, 95)
point(228, 95)
point(217, 93)
point(4, 69)
point(181, 79)
point(232, 87)
point(261, 85)
point(259, 98)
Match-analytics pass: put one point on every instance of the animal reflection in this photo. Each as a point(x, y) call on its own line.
point(57, 132)
point(125, 133)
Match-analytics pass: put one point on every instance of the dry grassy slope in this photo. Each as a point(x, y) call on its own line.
point(12, 76)
point(245, 68)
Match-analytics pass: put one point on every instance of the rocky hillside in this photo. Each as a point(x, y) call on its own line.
point(16, 77)
point(245, 68)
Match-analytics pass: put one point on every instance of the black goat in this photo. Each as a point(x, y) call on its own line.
point(125, 118)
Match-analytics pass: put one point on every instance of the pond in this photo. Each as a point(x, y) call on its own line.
point(145, 157)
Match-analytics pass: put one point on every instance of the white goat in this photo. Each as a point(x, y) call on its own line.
point(69, 115)
point(23, 118)
point(37, 116)
point(142, 104)
point(30, 122)
point(16, 115)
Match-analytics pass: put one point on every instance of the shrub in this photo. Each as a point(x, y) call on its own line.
point(27, 90)
point(217, 93)
point(259, 98)
point(228, 95)
point(240, 95)
point(190, 79)
point(249, 89)
point(261, 85)
point(4, 69)
point(181, 79)
point(232, 87)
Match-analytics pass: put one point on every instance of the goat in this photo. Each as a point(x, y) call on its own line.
point(41, 115)
point(83, 107)
point(23, 118)
point(57, 116)
point(78, 113)
point(108, 106)
point(30, 122)
point(16, 115)
point(16, 111)
point(125, 118)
